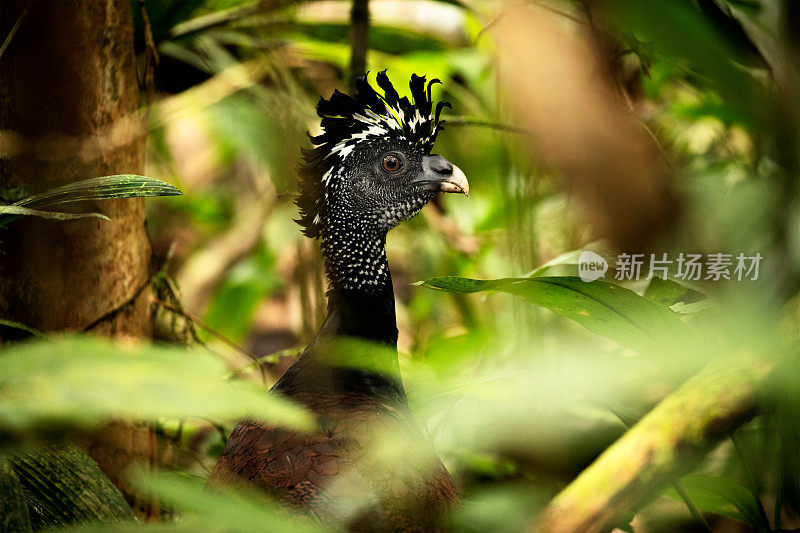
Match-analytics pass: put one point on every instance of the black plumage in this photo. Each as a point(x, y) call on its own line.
point(370, 169)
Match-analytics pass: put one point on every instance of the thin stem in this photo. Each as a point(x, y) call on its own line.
point(751, 481)
point(197, 320)
point(693, 509)
point(456, 120)
point(14, 28)
point(690, 504)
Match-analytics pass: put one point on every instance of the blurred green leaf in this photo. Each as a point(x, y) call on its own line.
point(79, 382)
point(679, 31)
point(723, 496)
point(236, 300)
point(217, 509)
point(603, 308)
point(382, 39)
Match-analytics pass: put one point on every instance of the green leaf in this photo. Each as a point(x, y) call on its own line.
point(19, 327)
point(720, 495)
point(226, 510)
point(101, 188)
point(80, 382)
point(603, 308)
point(10, 212)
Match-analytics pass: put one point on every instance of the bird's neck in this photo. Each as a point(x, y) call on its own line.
point(361, 306)
point(361, 297)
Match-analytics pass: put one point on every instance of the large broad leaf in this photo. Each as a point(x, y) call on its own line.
point(722, 496)
point(603, 308)
point(79, 382)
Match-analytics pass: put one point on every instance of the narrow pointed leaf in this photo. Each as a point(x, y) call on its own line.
point(102, 188)
point(10, 212)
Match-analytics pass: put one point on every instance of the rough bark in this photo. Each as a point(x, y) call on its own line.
point(67, 74)
point(665, 444)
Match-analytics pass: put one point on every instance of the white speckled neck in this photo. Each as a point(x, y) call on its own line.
point(355, 258)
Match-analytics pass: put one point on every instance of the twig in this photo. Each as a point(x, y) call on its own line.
point(573, 18)
point(202, 273)
point(272, 358)
point(751, 481)
point(488, 26)
point(200, 322)
point(15, 27)
point(650, 133)
point(151, 58)
point(219, 18)
point(109, 315)
point(465, 244)
point(695, 512)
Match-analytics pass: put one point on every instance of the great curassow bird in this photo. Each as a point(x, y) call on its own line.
point(371, 168)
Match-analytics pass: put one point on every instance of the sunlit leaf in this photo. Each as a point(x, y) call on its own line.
point(101, 188)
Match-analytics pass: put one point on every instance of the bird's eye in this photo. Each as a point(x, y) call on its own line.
point(392, 163)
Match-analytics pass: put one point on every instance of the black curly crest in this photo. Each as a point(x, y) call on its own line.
point(347, 121)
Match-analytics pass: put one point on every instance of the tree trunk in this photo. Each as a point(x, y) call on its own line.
point(66, 77)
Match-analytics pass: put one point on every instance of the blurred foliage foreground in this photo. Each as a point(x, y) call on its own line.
point(657, 404)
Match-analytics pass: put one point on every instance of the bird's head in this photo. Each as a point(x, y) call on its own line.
point(372, 166)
